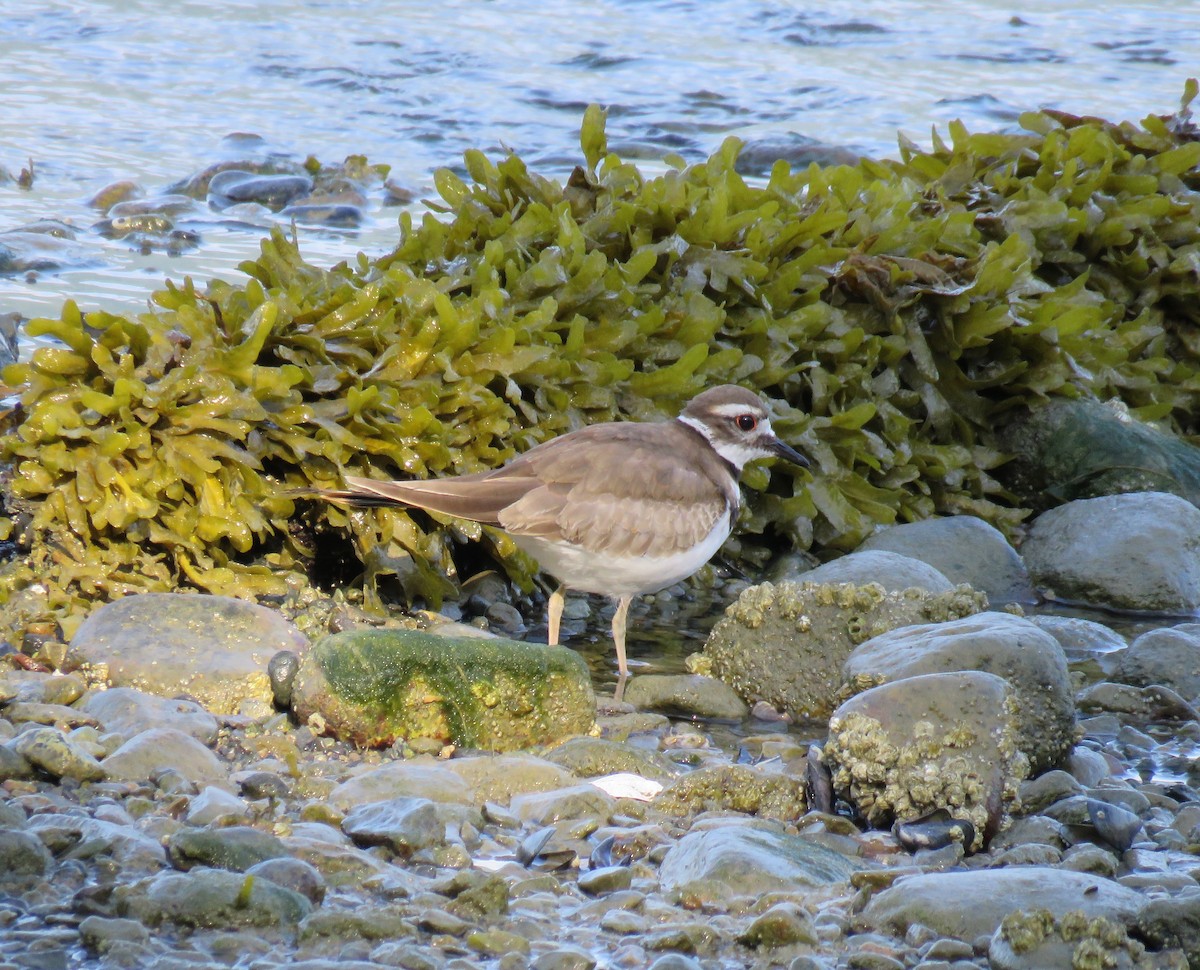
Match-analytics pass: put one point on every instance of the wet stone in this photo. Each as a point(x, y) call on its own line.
point(236, 848)
point(127, 712)
point(402, 824)
point(215, 803)
point(211, 898)
point(781, 925)
point(158, 750)
point(690, 695)
point(609, 879)
point(294, 874)
point(55, 754)
point(213, 648)
point(22, 855)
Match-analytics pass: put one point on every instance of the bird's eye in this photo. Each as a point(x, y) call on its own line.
point(746, 422)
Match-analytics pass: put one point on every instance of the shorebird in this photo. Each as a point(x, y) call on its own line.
point(620, 508)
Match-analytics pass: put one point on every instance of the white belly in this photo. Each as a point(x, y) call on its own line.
point(590, 572)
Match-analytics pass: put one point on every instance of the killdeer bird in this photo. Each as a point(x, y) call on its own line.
point(621, 508)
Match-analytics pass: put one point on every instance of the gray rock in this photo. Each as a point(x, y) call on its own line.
point(1079, 638)
point(294, 874)
point(99, 932)
point(738, 859)
point(690, 695)
point(22, 855)
point(125, 844)
point(13, 765)
point(968, 905)
point(894, 571)
point(125, 711)
point(1035, 940)
point(210, 898)
point(402, 824)
point(236, 848)
point(781, 925)
point(213, 648)
point(50, 750)
point(578, 801)
point(159, 749)
point(399, 778)
point(605, 880)
point(214, 803)
point(1170, 656)
point(1134, 552)
point(935, 741)
point(964, 549)
point(1173, 922)
point(1029, 659)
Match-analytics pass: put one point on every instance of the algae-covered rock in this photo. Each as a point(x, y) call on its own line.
point(786, 644)
point(213, 648)
point(1068, 450)
point(1139, 551)
point(1028, 658)
point(1035, 940)
point(373, 687)
point(735, 788)
point(936, 741)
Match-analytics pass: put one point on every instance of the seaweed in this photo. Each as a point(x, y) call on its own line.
point(900, 312)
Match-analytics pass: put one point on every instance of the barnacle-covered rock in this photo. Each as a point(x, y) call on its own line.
point(935, 741)
point(785, 644)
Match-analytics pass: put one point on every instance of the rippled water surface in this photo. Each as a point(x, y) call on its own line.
point(99, 91)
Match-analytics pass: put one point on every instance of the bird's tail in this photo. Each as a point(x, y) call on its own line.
point(460, 497)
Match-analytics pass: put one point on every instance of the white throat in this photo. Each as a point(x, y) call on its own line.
point(737, 453)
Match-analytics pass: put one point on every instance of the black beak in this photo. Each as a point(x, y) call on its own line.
point(789, 453)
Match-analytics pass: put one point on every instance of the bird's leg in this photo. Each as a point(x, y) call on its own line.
point(554, 611)
point(618, 631)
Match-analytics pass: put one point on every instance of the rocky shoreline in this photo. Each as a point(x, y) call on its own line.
point(139, 828)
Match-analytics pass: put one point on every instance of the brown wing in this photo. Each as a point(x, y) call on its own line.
point(625, 492)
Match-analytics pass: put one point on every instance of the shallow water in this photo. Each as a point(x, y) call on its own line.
point(99, 91)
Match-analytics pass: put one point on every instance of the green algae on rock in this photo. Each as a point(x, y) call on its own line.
point(785, 644)
point(900, 310)
point(374, 687)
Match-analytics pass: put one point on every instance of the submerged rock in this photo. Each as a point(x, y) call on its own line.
point(1029, 659)
point(373, 687)
point(786, 644)
point(1130, 552)
point(936, 741)
point(748, 859)
point(211, 898)
point(213, 648)
point(685, 694)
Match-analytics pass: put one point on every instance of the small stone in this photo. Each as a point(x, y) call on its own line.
point(781, 925)
point(609, 879)
point(22, 855)
point(160, 749)
point(214, 803)
point(52, 752)
point(402, 824)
